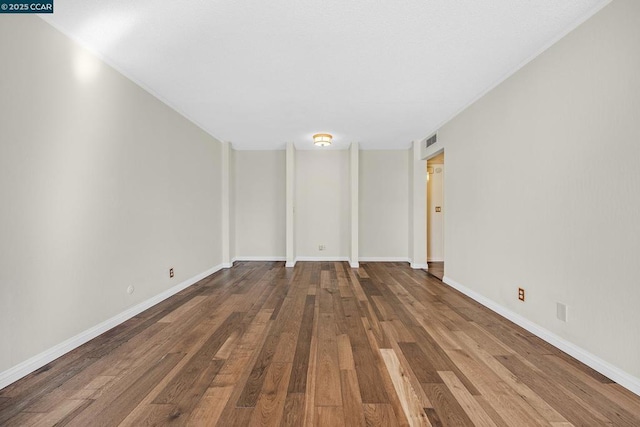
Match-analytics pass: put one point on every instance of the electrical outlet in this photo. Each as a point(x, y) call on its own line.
point(521, 294)
point(130, 289)
point(321, 247)
point(171, 272)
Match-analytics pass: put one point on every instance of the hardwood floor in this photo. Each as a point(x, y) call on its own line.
point(436, 269)
point(320, 344)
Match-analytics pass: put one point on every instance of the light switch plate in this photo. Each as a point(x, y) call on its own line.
point(561, 311)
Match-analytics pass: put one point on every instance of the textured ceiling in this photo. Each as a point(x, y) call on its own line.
point(262, 73)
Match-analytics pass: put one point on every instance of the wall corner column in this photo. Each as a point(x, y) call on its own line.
point(418, 208)
point(290, 208)
point(354, 170)
point(226, 206)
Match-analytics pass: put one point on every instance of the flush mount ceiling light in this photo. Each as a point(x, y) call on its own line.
point(322, 139)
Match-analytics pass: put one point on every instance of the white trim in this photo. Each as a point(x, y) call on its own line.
point(383, 259)
point(581, 20)
point(435, 259)
point(417, 266)
point(283, 258)
point(325, 258)
point(623, 378)
point(226, 265)
point(290, 264)
point(260, 258)
point(39, 360)
point(354, 264)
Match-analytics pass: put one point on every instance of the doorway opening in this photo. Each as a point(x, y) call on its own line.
point(435, 214)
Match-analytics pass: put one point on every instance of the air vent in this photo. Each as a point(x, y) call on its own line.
point(432, 140)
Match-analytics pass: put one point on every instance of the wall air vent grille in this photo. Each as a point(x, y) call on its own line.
point(432, 140)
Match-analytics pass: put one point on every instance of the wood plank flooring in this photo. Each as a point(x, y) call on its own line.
point(320, 344)
point(436, 269)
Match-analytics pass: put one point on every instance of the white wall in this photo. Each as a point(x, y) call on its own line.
point(260, 204)
point(102, 187)
point(543, 188)
point(384, 205)
point(435, 220)
point(322, 204)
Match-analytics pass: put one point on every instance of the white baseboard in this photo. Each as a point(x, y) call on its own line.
point(314, 258)
point(417, 266)
point(623, 378)
point(326, 259)
point(340, 259)
point(36, 362)
point(226, 265)
point(383, 259)
point(352, 264)
point(435, 259)
point(260, 258)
